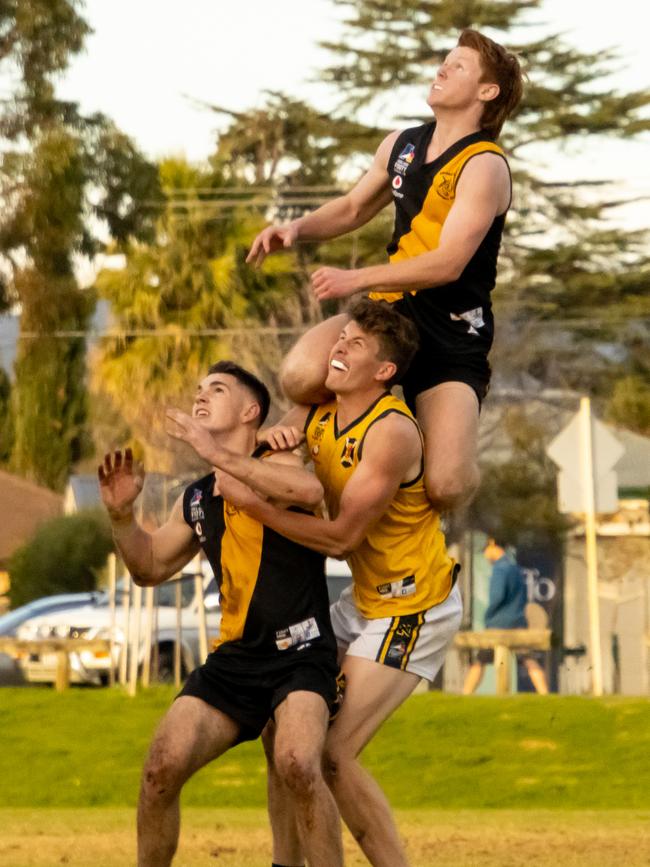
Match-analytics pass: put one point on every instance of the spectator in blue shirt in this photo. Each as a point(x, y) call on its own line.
point(506, 610)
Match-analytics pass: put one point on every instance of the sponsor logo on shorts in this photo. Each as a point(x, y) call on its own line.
point(298, 635)
point(398, 589)
point(474, 319)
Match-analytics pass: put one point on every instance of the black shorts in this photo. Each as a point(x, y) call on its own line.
point(249, 694)
point(428, 370)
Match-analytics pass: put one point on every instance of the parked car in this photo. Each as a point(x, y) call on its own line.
point(10, 621)
point(10, 673)
point(94, 621)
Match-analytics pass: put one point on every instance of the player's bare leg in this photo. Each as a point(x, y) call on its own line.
point(304, 370)
point(372, 693)
point(190, 735)
point(287, 848)
point(537, 675)
point(473, 678)
point(448, 415)
point(301, 728)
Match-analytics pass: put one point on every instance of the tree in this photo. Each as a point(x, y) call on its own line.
point(568, 283)
point(64, 556)
point(190, 299)
point(59, 169)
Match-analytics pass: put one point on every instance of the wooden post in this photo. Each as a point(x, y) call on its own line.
point(62, 670)
point(502, 669)
point(124, 654)
point(587, 468)
point(135, 643)
point(112, 581)
point(179, 632)
point(203, 626)
point(148, 632)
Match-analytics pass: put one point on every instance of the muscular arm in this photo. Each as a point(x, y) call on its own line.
point(282, 477)
point(365, 498)
point(151, 558)
point(482, 194)
point(338, 217)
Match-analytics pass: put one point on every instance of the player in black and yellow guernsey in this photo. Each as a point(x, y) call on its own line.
point(451, 187)
point(396, 621)
point(276, 653)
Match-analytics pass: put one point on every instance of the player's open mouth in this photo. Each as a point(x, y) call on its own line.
point(201, 413)
point(338, 365)
point(436, 87)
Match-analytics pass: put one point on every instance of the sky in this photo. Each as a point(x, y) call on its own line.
point(151, 63)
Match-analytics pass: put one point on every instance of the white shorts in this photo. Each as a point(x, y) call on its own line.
point(411, 642)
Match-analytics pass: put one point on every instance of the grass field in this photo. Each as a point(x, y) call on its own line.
point(550, 781)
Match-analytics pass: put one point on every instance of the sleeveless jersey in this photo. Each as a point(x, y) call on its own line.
point(402, 566)
point(274, 597)
point(455, 318)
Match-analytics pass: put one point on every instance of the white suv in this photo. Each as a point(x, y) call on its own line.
point(93, 621)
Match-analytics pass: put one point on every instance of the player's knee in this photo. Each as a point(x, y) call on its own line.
point(161, 778)
point(302, 381)
point(449, 489)
point(299, 771)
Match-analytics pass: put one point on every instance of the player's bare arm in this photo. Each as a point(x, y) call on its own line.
point(338, 217)
point(288, 433)
point(151, 558)
point(281, 477)
point(483, 193)
point(371, 488)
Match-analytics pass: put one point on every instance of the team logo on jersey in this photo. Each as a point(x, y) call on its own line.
point(198, 529)
point(445, 185)
point(319, 433)
point(347, 455)
point(196, 511)
point(397, 182)
point(405, 159)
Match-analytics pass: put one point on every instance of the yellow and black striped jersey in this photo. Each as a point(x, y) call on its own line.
point(455, 318)
point(273, 591)
point(402, 565)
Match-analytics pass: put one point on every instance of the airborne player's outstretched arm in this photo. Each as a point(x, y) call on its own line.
point(338, 217)
point(366, 496)
point(151, 558)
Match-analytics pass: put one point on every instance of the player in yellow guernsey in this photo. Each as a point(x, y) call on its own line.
point(394, 624)
point(451, 187)
point(276, 653)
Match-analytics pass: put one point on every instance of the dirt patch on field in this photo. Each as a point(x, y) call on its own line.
point(472, 838)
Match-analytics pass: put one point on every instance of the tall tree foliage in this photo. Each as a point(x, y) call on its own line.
point(569, 282)
point(62, 173)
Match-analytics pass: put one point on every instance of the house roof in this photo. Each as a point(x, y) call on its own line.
point(23, 506)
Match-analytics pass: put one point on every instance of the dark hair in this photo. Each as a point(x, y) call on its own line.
point(500, 67)
point(397, 335)
point(257, 388)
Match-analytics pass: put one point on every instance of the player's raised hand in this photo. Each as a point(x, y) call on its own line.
point(281, 437)
point(120, 481)
point(192, 432)
point(270, 240)
point(335, 283)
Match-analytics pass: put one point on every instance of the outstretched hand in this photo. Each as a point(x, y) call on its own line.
point(270, 240)
point(192, 432)
point(120, 481)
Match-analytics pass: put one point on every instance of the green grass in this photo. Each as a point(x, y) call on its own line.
point(85, 748)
